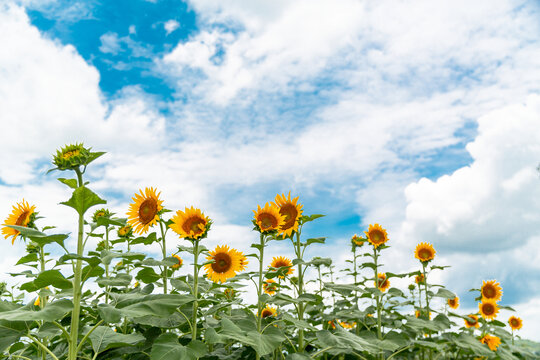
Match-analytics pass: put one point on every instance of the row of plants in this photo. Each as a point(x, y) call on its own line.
point(111, 302)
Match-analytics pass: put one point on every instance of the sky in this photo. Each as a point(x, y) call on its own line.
point(421, 116)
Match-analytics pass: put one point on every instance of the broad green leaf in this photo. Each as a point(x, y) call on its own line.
point(72, 183)
point(445, 294)
point(262, 343)
point(315, 240)
point(119, 280)
point(26, 231)
point(49, 239)
point(82, 199)
point(146, 240)
point(167, 347)
point(52, 312)
point(148, 275)
point(108, 255)
point(48, 278)
point(27, 258)
point(104, 338)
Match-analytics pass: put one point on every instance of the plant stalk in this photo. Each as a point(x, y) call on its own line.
point(195, 288)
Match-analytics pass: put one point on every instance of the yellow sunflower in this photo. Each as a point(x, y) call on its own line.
point(291, 212)
point(125, 231)
point(282, 261)
point(419, 279)
point(472, 321)
point(488, 309)
point(37, 302)
point(492, 342)
point(357, 240)
point(269, 286)
point(21, 215)
point(515, 323)
point(384, 284)
point(226, 264)
point(491, 290)
point(453, 303)
point(143, 213)
point(268, 218)
point(347, 325)
point(268, 311)
point(190, 224)
point(417, 313)
point(376, 235)
point(243, 260)
point(332, 324)
point(180, 262)
point(424, 252)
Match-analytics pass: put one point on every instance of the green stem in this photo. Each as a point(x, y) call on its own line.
point(107, 265)
point(195, 288)
point(300, 292)
point(378, 297)
point(259, 288)
point(41, 346)
point(164, 251)
point(426, 289)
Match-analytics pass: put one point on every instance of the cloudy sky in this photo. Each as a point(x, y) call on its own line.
point(423, 116)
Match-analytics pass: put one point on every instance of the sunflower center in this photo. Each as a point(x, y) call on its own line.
point(21, 219)
point(148, 210)
point(489, 292)
point(279, 264)
point(514, 322)
point(267, 221)
point(192, 225)
point(376, 236)
point(289, 212)
point(222, 263)
point(452, 302)
point(424, 254)
point(382, 282)
point(266, 313)
point(70, 154)
point(488, 309)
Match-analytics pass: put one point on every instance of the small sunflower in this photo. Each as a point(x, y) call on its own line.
point(268, 311)
point(268, 218)
point(37, 302)
point(491, 290)
point(21, 215)
point(144, 212)
point(488, 309)
point(347, 325)
point(125, 231)
point(226, 264)
point(384, 284)
point(180, 262)
point(101, 213)
point(492, 342)
point(515, 323)
point(418, 313)
point(472, 321)
point(291, 212)
point(282, 261)
point(71, 157)
point(453, 303)
point(357, 240)
point(424, 252)
point(332, 324)
point(229, 293)
point(190, 224)
point(419, 279)
point(376, 235)
point(270, 286)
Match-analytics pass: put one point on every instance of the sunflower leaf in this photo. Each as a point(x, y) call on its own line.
point(72, 183)
point(319, 240)
point(82, 199)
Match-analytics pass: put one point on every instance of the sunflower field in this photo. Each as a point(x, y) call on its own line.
point(111, 302)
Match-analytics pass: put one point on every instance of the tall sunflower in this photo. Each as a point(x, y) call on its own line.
point(453, 303)
point(268, 311)
point(515, 323)
point(291, 211)
point(424, 252)
point(226, 264)
point(376, 235)
point(282, 261)
point(143, 213)
point(268, 218)
point(488, 309)
point(384, 284)
point(21, 215)
point(472, 321)
point(191, 223)
point(492, 342)
point(491, 290)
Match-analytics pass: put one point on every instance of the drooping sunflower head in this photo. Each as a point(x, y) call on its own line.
point(491, 290)
point(376, 235)
point(270, 286)
point(191, 224)
point(180, 262)
point(453, 303)
point(471, 321)
point(226, 262)
point(515, 323)
point(492, 342)
point(357, 241)
point(419, 279)
point(71, 157)
point(488, 309)
point(22, 215)
point(125, 231)
point(291, 211)
point(282, 261)
point(424, 252)
point(383, 283)
point(268, 311)
point(101, 213)
point(268, 218)
point(143, 213)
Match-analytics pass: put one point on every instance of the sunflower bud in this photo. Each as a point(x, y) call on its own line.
point(101, 213)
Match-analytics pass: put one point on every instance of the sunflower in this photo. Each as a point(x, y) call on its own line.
point(347, 325)
point(357, 240)
point(268, 218)
point(269, 286)
point(291, 212)
point(229, 293)
point(268, 311)
point(492, 341)
point(419, 279)
point(105, 213)
point(515, 323)
point(190, 224)
point(226, 264)
point(332, 324)
point(21, 215)
point(71, 157)
point(144, 212)
point(37, 302)
point(376, 235)
point(125, 231)
point(488, 309)
point(491, 290)
point(243, 260)
point(384, 284)
point(453, 303)
point(424, 252)
point(282, 261)
point(417, 313)
point(472, 321)
point(180, 262)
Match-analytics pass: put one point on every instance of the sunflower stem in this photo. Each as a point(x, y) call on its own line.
point(107, 265)
point(259, 288)
point(300, 292)
point(164, 251)
point(195, 288)
point(427, 299)
point(357, 330)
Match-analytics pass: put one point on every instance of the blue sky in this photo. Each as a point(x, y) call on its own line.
point(389, 113)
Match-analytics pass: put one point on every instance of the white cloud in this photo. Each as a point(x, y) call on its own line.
point(170, 26)
point(110, 43)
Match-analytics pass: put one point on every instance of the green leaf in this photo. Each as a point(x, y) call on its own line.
point(315, 240)
point(262, 343)
point(47, 278)
point(27, 258)
point(82, 199)
point(167, 347)
point(445, 294)
point(52, 312)
point(146, 240)
point(49, 239)
point(119, 280)
point(107, 256)
point(26, 231)
point(104, 338)
point(307, 218)
point(72, 183)
point(147, 275)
